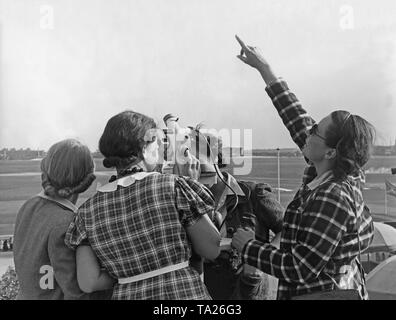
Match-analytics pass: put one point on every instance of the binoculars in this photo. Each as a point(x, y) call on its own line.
point(179, 141)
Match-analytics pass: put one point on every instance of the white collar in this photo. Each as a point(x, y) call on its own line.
point(123, 182)
point(325, 176)
point(64, 202)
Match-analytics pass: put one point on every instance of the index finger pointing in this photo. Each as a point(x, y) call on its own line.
point(244, 47)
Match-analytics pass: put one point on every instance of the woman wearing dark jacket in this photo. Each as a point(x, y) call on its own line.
point(327, 219)
point(45, 266)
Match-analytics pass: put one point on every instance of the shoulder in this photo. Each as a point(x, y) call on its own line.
point(333, 199)
point(91, 201)
point(62, 219)
point(190, 184)
point(191, 189)
point(60, 225)
point(172, 181)
point(35, 203)
point(28, 206)
point(55, 213)
point(334, 190)
point(159, 183)
point(162, 177)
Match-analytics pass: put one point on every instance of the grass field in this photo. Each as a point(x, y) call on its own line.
point(20, 180)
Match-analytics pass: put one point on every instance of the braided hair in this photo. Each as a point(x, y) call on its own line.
point(67, 169)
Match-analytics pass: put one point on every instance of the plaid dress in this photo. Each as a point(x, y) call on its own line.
point(318, 239)
point(136, 225)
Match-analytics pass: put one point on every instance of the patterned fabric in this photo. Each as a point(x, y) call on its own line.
point(318, 239)
point(140, 227)
point(259, 210)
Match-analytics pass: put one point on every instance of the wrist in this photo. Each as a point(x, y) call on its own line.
point(244, 247)
point(267, 74)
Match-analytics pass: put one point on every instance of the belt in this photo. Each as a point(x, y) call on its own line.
point(154, 273)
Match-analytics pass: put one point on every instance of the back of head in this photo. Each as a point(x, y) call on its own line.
point(67, 169)
point(353, 138)
point(124, 137)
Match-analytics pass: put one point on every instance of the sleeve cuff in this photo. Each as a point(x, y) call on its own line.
point(245, 250)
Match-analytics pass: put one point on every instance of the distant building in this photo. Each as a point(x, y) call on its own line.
point(384, 150)
point(284, 152)
point(21, 154)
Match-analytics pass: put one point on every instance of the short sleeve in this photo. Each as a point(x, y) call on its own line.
point(76, 234)
point(193, 200)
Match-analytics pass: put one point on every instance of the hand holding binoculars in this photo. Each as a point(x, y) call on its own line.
point(188, 148)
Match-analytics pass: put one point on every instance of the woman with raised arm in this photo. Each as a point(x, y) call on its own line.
point(327, 224)
point(142, 225)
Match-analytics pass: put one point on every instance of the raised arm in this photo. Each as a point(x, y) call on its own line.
point(293, 115)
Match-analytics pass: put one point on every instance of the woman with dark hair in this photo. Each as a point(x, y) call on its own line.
point(142, 225)
point(327, 224)
point(45, 266)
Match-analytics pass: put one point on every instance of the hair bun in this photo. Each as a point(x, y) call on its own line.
point(111, 162)
point(65, 192)
point(49, 190)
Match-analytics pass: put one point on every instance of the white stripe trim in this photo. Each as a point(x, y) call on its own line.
point(291, 106)
point(154, 273)
point(280, 95)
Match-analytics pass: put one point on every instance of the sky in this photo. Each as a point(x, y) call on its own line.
point(67, 66)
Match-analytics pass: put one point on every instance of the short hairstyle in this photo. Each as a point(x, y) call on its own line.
point(123, 138)
point(67, 169)
point(353, 138)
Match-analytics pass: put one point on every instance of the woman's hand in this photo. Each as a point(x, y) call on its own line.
point(241, 237)
point(252, 57)
point(188, 166)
